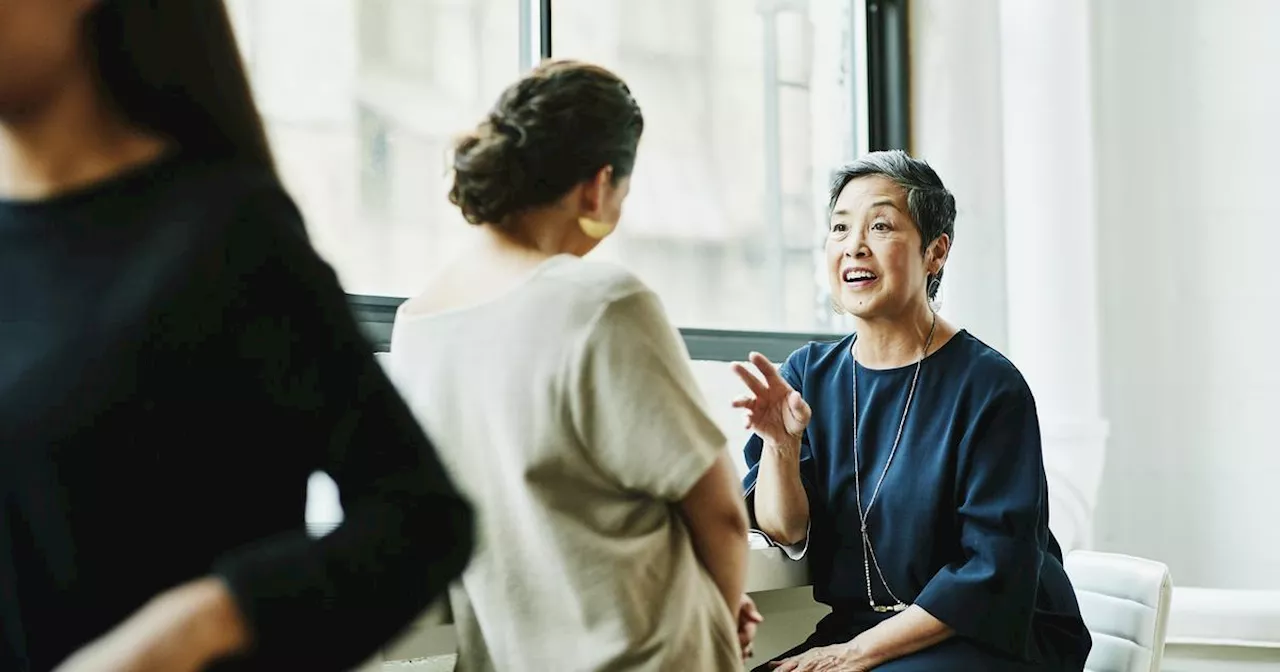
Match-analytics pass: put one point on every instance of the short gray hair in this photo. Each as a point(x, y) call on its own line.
point(930, 204)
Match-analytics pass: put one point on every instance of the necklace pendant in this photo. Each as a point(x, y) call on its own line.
point(884, 610)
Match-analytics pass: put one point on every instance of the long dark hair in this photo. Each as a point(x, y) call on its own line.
point(172, 67)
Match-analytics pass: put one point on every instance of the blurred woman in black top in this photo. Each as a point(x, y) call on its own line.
point(175, 360)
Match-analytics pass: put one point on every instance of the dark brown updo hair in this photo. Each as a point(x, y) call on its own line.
point(553, 129)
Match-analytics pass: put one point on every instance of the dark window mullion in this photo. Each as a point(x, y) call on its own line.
point(544, 17)
point(889, 121)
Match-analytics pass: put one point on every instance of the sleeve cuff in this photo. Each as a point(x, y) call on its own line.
point(1004, 625)
point(685, 474)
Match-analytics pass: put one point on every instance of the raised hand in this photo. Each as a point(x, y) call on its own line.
point(775, 411)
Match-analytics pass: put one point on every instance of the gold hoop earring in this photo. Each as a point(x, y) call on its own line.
point(594, 228)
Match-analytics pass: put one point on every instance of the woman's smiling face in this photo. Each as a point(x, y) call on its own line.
point(873, 247)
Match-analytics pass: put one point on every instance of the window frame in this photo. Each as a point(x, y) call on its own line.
point(888, 74)
point(888, 127)
point(377, 314)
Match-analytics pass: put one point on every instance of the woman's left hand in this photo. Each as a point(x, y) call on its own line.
point(834, 658)
point(182, 630)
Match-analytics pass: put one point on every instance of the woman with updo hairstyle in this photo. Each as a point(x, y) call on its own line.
point(612, 534)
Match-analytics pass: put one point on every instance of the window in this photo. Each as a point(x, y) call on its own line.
point(727, 207)
point(362, 99)
point(748, 106)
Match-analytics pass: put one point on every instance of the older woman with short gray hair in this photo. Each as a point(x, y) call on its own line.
point(903, 462)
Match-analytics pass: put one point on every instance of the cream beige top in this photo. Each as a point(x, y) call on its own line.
point(567, 412)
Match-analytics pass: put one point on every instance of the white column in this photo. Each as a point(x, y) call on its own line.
point(956, 127)
point(1050, 224)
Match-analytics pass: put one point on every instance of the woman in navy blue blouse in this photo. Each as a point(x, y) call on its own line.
point(904, 461)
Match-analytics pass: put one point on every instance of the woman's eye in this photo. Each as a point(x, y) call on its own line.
point(839, 228)
point(880, 226)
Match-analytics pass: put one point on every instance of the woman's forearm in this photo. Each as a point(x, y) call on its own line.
point(718, 526)
point(183, 629)
point(781, 506)
point(910, 631)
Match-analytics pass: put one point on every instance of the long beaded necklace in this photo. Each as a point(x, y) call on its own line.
point(868, 552)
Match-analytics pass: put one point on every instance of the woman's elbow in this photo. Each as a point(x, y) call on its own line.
point(781, 529)
point(786, 537)
point(785, 534)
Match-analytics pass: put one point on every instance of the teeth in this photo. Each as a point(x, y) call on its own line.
point(854, 276)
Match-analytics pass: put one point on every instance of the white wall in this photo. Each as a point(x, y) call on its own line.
point(956, 127)
point(997, 84)
point(1187, 99)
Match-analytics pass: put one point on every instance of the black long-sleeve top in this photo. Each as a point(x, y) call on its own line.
point(175, 361)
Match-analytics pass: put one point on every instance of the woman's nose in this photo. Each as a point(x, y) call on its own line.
point(855, 247)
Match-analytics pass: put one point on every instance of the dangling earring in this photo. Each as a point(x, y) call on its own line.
point(931, 292)
point(594, 228)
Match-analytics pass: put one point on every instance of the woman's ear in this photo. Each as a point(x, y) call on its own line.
point(596, 190)
point(936, 255)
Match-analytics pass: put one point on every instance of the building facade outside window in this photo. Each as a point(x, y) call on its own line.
point(748, 106)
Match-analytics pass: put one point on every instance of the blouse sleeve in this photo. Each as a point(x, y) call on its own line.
point(751, 454)
point(989, 595)
point(635, 404)
point(329, 602)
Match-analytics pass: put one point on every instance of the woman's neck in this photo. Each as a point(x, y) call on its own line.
point(892, 343)
point(544, 232)
point(72, 141)
point(501, 246)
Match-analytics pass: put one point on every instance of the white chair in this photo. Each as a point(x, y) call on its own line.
point(1125, 604)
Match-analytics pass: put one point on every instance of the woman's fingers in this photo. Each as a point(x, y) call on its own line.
point(757, 387)
point(747, 403)
point(768, 370)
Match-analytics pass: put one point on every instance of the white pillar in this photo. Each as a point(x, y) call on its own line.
point(956, 127)
point(1050, 225)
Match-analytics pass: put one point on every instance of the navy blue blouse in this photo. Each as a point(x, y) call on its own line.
point(961, 525)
